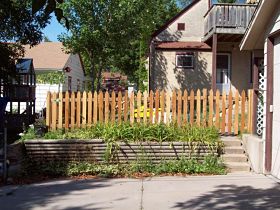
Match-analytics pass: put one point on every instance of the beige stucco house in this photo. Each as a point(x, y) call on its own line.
point(49, 57)
point(199, 48)
point(262, 39)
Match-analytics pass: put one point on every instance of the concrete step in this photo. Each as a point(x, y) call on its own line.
point(234, 158)
point(238, 167)
point(231, 142)
point(234, 150)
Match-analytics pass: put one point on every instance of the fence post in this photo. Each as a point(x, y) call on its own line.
point(73, 110)
point(230, 113)
point(125, 111)
point(204, 107)
point(156, 106)
point(95, 108)
point(167, 98)
point(54, 111)
point(139, 98)
point(101, 108)
point(89, 109)
point(185, 107)
point(78, 115)
point(179, 114)
point(243, 100)
point(162, 106)
point(224, 98)
point(151, 106)
point(198, 107)
point(174, 100)
point(192, 107)
point(107, 112)
point(217, 109)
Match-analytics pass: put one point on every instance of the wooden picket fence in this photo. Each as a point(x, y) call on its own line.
point(231, 113)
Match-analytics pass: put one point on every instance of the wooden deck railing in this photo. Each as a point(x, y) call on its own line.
point(228, 18)
point(231, 113)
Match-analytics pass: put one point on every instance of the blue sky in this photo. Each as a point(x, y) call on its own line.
point(55, 28)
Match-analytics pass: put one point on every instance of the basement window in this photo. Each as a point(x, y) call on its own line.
point(184, 61)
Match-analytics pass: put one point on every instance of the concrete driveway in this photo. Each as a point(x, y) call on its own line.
point(234, 191)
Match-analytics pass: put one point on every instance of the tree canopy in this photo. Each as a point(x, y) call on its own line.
point(114, 34)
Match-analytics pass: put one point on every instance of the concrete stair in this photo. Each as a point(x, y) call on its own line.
point(234, 155)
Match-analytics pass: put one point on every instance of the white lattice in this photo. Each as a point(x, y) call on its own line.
point(260, 110)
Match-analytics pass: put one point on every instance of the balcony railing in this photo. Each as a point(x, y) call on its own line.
point(228, 18)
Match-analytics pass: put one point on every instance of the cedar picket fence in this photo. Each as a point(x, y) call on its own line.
point(231, 114)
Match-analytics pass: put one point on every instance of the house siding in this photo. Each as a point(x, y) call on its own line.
point(166, 76)
point(76, 72)
point(273, 26)
point(194, 25)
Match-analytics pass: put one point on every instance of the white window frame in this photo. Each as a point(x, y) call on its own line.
point(185, 55)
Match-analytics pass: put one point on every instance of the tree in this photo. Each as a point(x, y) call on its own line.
point(46, 39)
point(20, 26)
point(113, 33)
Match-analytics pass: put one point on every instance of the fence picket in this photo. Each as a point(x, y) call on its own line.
point(198, 107)
point(60, 110)
point(119, 107)
point(243, 100)
point(131, 106)
point(192, 107)
point(125, 111)
point(224, 112)
point(100, 106)
point(113, 107)
point(107, 111)
point(217, 117)
point(145, 107)
point(95, 108)
point(230, 113)
point(210, 117)
point(236, 113)
point(73, 110)
point(54, 111)
point(139, 98)
point(179, 105)
point(84, 112)
point(156, 106)
point(162, 106)
point(167, 110)
point(174, 100)
point(185, 107)
point(49, 110)
point(204, 106)
point(78, 109)
point(151, 106)
point(66, 110)
point(89, 116)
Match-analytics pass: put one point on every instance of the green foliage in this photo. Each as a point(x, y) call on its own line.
point(57, 77)
point(114, 34)
point(209, 165)
point(137, 132)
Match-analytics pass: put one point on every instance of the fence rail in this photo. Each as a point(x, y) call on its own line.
point(231, 114)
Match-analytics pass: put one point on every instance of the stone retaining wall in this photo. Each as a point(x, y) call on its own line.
point(96, 150)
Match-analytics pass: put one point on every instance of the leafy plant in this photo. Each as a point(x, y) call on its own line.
point(57, 77)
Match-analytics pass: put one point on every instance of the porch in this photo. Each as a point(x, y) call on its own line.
point(227, 19)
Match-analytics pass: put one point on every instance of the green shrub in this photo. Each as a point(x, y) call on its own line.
point(210, 165)
point(138, 132)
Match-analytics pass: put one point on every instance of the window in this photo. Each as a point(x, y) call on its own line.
point(181, 26)
point(78, 85)
point(69, 83)
point(184, 60)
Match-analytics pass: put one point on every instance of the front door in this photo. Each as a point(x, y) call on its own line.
point(223, 72)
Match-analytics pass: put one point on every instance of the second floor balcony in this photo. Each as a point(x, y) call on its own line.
point(227, 19)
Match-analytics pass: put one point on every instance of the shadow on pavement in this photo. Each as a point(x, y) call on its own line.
point(235, 197)
point(40, 195)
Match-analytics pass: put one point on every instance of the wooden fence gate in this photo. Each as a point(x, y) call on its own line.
point(231, 114)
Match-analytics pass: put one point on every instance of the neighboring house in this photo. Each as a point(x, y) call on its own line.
point(262, 39)
point(49, 60)
point(198, 48)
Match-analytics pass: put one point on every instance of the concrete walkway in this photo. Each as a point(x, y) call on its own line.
point(234, 191)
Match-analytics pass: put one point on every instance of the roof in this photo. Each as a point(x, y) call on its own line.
point(183, 45)
point(24, 66)
point(255, 34)
point(47, 56)
point(162, 28)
